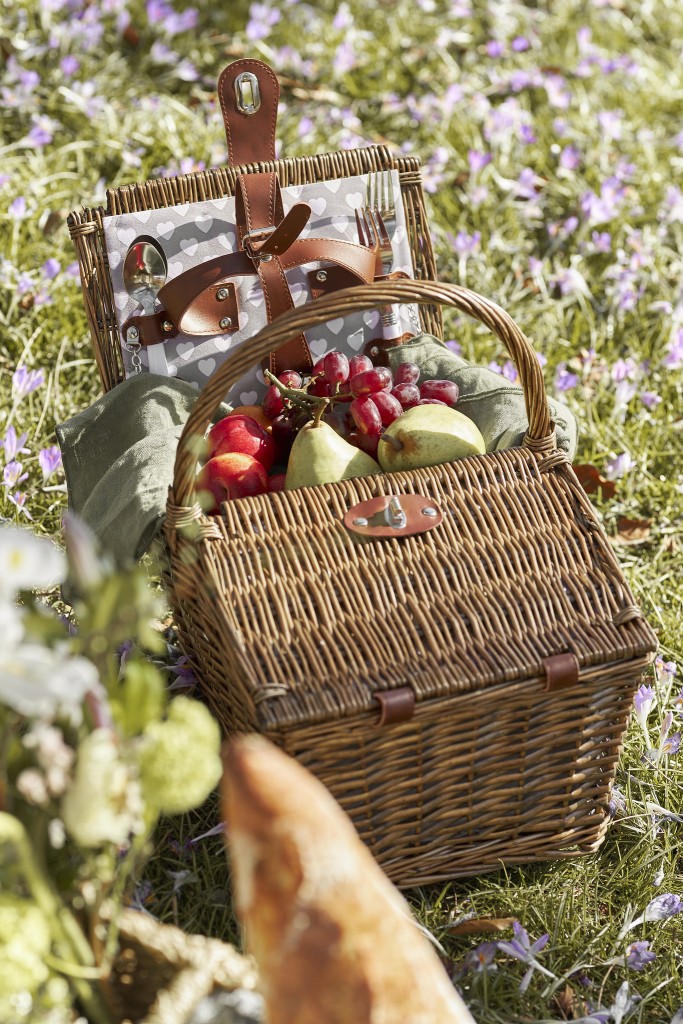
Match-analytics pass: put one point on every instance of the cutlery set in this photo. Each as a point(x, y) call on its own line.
point(145, 269)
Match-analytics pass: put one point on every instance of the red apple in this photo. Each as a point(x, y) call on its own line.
point(232, 475)
point(276, 482)
point(239, 433)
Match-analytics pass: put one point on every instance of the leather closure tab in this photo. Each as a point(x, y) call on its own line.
point(150, 329)
point(264, 243)
point(250, 120)
point(393, 516)
point(395, 705)
point(562, 671)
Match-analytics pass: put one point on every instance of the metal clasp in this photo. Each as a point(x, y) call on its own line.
point(394, 514)
point(247, 93)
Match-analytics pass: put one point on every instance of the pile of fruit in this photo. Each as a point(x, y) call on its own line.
point(348, 418)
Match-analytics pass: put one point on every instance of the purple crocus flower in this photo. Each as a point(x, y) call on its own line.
point(650, 399)
point(521, 948)
point(480, 959)
point(261, 20)
point(558, 95)
point(13, 443)
point(494, 48)
point(673, 360)
point(69, 66)
point(520, 43)
point(666, 670)
point(610, 123)
point(454, 346)
point(570, 158)
point(527, 134)
point(49, 459)
point(602, 240)
point(614, 469)
point(662, 907)
point(17, 208)
point(51, 268)
point(564, 379)
point(526, 184)
point(25, 381)
point(12, 475)
point(19, 500)
point(464, 244)
point(478, 160)
point(638, 955)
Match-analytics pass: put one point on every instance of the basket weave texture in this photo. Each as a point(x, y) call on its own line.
point(161, 973)
point(294, 624)
point(87, 233)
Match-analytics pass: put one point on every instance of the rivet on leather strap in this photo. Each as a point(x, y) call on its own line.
point(396, 705)
point(562, 671)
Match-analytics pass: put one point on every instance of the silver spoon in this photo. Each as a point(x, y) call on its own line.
point(144, 272)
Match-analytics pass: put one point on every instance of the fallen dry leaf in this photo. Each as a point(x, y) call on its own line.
point(591, 480)
point(481, 926)
point(569, 1004)
point(632, 531)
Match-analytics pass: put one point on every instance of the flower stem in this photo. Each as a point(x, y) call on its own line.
point(70, 941)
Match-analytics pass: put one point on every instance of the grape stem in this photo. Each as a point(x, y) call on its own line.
point(294, 395)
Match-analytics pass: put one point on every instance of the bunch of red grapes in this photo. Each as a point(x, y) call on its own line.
point(362, 399)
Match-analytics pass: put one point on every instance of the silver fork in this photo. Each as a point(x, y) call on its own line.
point(373, 232)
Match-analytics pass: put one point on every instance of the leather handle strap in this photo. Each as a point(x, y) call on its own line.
point(250, 133)
point(191, 303)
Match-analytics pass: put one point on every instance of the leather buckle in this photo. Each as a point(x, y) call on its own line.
point(257, 235)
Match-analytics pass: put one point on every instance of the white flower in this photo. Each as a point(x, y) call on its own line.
point(104, 803)
point(54, 756)
point(11, 626)
point(32, 786)
point(28, 562)
point(42, 682)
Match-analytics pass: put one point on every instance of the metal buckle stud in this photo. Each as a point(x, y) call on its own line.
point(247, 93)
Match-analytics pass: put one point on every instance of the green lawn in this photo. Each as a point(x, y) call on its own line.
point(552, 146)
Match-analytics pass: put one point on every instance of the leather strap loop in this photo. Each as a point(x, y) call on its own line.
point(250, 136)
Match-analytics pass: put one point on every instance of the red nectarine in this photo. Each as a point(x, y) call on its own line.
point(233, 475)
point(238, 433)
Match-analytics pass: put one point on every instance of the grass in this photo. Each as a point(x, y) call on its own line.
point(582, 127)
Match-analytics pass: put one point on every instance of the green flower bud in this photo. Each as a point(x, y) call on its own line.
point(179, 758)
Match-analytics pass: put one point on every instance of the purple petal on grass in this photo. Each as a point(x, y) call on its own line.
point(520, 43)
point(69, 65)
point(494, 48)
point(478, 160)
point(454, 346)
point(12, 475)
point(49, 460)
point(19, 500)
point(217, 830)
point(650, 399)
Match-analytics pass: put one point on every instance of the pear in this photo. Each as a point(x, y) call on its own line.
point(320, 456)
point(427, 435)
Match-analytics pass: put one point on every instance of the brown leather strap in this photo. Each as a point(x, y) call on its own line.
point(397, 705)
point(190, 298)
point(150, 328)
point(250, 136)
point(275, 243)
point(562, 671)
point(258, 205)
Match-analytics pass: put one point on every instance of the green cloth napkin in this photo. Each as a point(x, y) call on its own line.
point(119, 454)
point(495, 405)
point(118, 458)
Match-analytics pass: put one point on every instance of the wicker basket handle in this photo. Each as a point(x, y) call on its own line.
point(541, 432)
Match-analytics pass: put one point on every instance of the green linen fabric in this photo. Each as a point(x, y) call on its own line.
point(118, 458)
point(495, 405)
point(119, 454)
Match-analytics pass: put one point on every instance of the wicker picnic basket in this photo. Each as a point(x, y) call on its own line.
point(462, 692)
